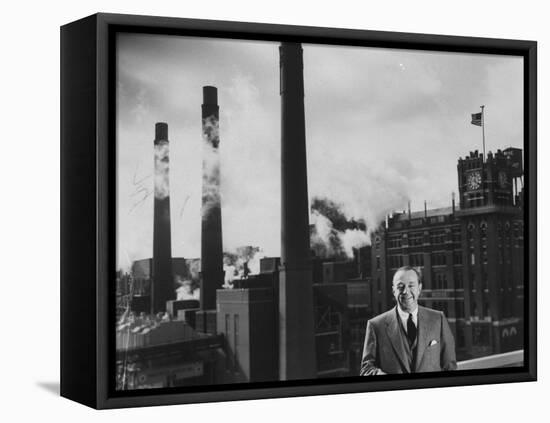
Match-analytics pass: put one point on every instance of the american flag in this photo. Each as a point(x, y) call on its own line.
point(476, 119)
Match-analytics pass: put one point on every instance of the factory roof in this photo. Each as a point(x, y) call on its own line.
point(442, 211)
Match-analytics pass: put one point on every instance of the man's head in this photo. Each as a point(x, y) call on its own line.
point(406, 288)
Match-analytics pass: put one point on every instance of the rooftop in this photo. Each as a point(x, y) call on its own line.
point(442, 211)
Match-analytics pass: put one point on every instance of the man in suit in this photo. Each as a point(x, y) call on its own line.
point(408, 338)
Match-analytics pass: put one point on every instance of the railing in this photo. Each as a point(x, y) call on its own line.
point(509, 359)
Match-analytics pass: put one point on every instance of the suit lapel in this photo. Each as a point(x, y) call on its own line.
point(393, 330)
point(422, 338)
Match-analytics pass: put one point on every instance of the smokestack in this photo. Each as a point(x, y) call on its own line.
point(425, 209)
point(409, 209)
point(212, 274)
point(296, 325)
point(162, 288)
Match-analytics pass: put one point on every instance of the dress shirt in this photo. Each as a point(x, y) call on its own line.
point(404, 316)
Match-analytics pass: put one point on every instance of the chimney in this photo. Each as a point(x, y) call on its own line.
point(425, 209)
point(409, 209)
point(296, 325)
point(212, 273)
point(162, 288)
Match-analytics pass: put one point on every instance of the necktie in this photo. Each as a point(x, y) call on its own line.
point(411, 330)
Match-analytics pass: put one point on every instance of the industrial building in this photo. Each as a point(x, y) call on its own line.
point(304, 317)
point(470, 255)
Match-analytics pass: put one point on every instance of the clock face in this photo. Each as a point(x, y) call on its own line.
point(502, 179)
point(473, 180)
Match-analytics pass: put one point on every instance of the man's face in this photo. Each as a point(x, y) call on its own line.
point(406, 290)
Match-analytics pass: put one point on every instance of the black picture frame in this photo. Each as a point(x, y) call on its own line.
point(88, 198)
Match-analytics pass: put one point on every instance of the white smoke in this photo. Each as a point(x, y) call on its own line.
point(230, 273)
point(194, 268)
point(211, 165)
point(254, 263)
point(331, 242)
point(186, 292)
point(241, 263)
point(323, 234)
point(353, 238)
point(162, 165)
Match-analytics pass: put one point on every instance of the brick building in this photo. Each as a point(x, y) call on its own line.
point(470, 255)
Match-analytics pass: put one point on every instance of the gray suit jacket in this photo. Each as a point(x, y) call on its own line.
point(384, 351)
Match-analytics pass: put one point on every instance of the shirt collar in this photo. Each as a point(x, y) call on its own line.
point(404, 316)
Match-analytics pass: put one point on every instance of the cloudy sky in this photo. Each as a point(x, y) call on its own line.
point(382, 126)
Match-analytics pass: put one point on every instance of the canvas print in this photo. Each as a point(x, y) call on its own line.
point(291, 211)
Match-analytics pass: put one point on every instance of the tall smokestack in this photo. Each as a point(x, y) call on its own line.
point(162, 288)
point(296, 334)
point(211, 246)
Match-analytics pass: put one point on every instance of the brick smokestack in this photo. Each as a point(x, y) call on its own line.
point(211, 246)
point(162, 288)
point(296, 334)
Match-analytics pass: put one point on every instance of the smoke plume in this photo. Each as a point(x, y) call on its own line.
point(211, 165)
point(162, 165)
point(187, 290)
point(332, 233)
point(242, 262)
point(188, 280)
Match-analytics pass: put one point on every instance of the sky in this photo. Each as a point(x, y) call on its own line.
point(383, 127)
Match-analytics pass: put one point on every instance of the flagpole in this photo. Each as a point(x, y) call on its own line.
point(483, 129)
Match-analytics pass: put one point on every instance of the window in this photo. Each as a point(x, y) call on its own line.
point(460, 309)
point(438, 237)
point(415, 239)
point(457, 257)
point(416, 260)
point(229, 359)
point(487, 310)
point(439, 259)
point(396, 260)
point(459, 284)
point(440, 281)
point(457, 235)
point(236, 338)
point(394, 241)
point(437, 219)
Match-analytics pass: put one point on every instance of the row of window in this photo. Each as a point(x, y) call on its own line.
point(437, 237)
point(439, 258)
point(440, 236)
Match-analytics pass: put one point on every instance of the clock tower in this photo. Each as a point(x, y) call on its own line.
point(491, 227)
point(486, 182)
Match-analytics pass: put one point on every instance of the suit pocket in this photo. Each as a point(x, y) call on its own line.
point(431, 360)
point(434, 343)
point(433, 349)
